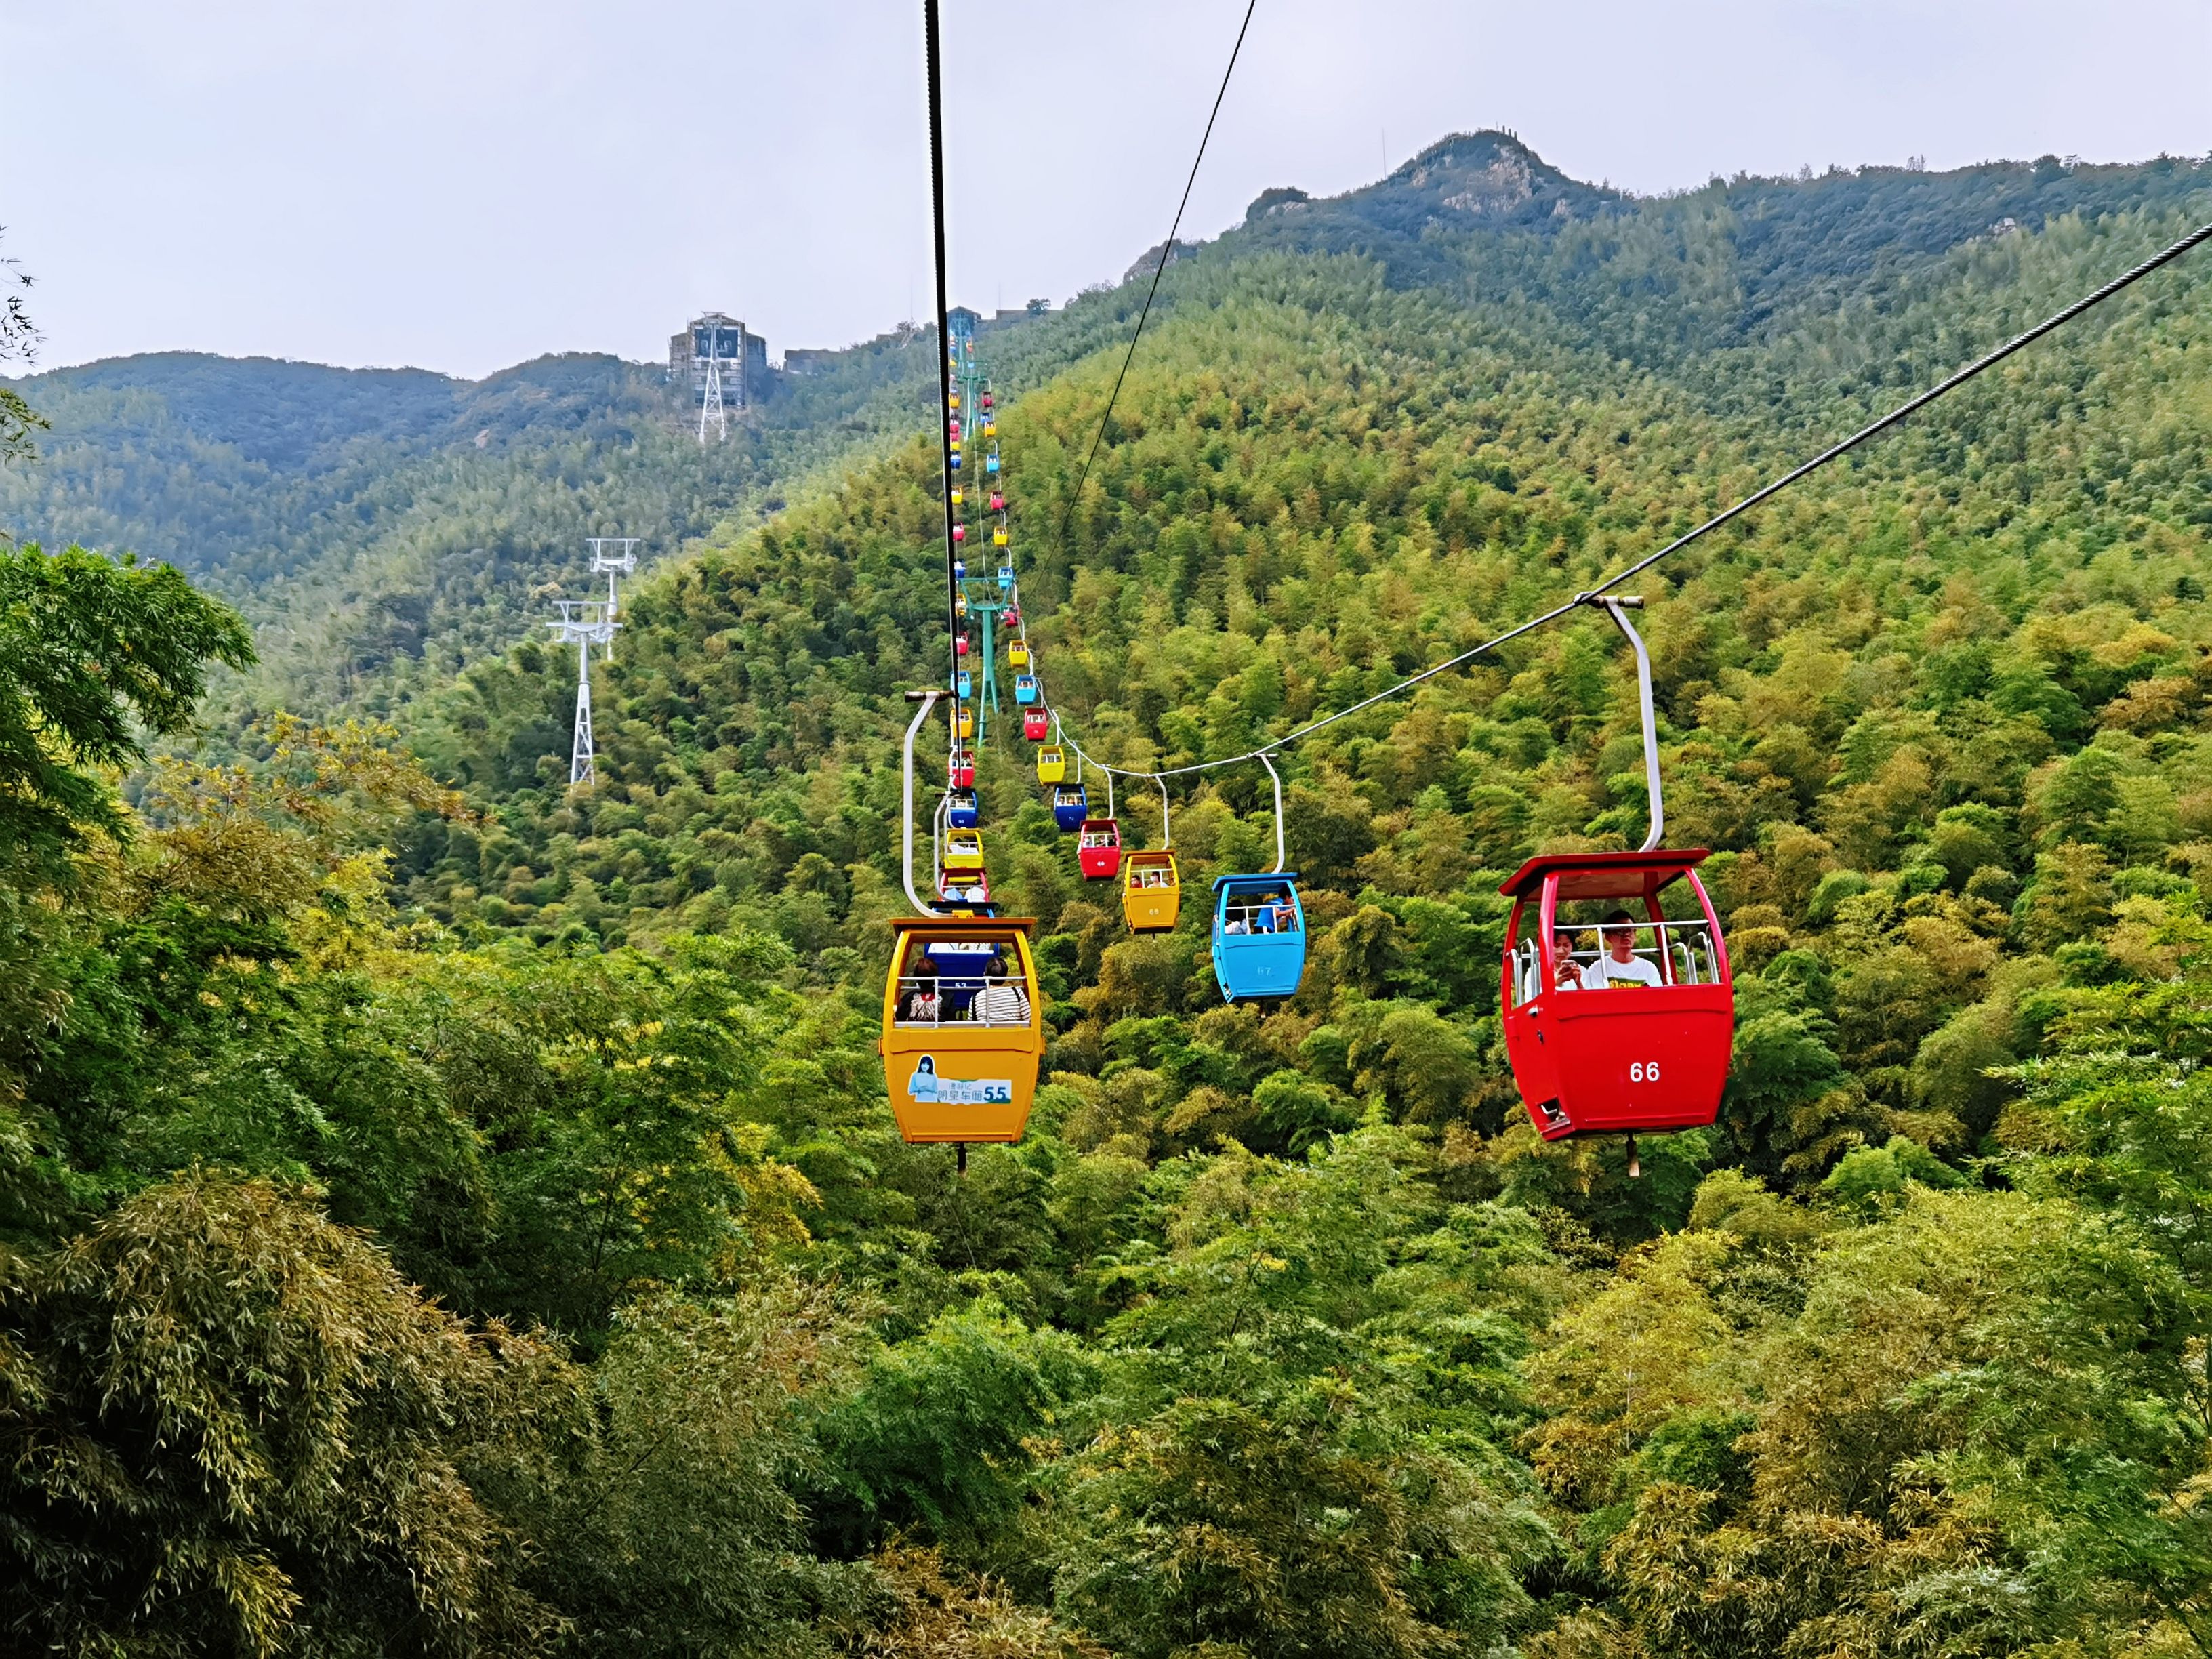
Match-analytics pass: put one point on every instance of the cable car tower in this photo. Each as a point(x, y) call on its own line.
point(613, 556)
point(584, 623)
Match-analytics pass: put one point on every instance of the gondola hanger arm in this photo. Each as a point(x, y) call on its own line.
point(1618, 607)
point(1276, 778)
point(928, 700)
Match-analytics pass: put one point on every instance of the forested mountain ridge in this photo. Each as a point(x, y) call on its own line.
point(384, 527)
point(1281, 1333)
point(365, 518)
point(1481, 215)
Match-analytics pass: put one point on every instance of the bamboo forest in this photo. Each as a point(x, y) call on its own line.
point(453, 1202)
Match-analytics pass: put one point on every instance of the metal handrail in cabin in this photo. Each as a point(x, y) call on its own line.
point(1688, 955)
point(1279, 916)
point(957, 997)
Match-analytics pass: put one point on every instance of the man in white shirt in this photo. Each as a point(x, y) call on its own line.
point(1620, 964)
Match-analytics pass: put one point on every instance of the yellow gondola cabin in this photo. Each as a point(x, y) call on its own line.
point(1052, 764)
point(1151, 894)
point(963, 849)
point(963, 1031)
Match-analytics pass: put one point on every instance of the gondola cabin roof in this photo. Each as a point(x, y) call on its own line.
point(952, 929)
point(1605, 875)
point(1277, 878)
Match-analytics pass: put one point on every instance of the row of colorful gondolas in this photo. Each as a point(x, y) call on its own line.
point(1617, 1020)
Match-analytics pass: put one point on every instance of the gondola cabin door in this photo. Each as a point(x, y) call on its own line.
point(1618, 1019)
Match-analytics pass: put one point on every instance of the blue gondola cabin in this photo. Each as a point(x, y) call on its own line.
point(1259, 936)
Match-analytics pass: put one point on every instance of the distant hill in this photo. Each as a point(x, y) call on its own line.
point(1482, 215)
point(383, 524)
point(385, 527)
point(363, 517)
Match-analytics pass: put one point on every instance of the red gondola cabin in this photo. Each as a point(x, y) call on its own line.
point(1617, 1019)
point(1098, 850)
point(1036, 724)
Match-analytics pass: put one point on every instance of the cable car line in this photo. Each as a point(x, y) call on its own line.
point(944, 315)
point(962, 1022)
point(1595, 595)
point(1167, 252)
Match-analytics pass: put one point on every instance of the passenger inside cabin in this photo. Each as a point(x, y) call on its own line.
point(922, 1003)
point(1004, 1001)
point(1566, 972)
point(1620, 964)
point(1287, 917)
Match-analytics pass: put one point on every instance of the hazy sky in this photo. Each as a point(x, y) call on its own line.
point(463, 183)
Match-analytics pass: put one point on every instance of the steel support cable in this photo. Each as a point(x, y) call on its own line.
point(2058, 319)
point(1167, 252)
point(944, 348)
